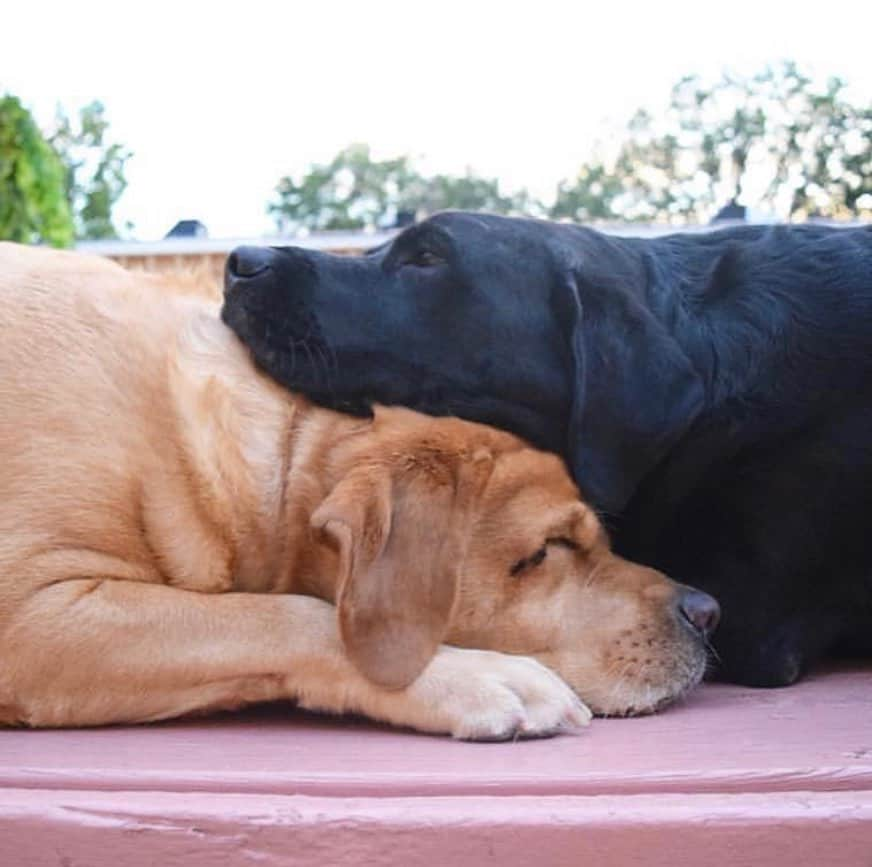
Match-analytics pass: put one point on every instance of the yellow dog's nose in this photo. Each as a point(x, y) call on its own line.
point(700, 610)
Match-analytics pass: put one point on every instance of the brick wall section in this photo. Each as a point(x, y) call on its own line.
point(205, 266)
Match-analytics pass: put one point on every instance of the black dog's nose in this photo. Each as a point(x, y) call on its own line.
point(700, 610)
point(249, 261)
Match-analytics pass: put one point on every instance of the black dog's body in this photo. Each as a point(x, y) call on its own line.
point(712, 392)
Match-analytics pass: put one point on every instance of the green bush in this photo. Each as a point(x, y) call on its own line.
point(33, 203)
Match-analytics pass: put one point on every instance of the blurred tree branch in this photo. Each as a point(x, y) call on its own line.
point(94, 169)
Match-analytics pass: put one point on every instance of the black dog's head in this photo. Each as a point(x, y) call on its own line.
point(542, 329)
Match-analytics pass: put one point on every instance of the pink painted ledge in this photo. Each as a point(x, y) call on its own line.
point(733, 776)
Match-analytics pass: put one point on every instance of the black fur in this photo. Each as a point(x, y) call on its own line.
point(711, 392)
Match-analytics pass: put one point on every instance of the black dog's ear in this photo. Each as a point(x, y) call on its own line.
point(635, 391)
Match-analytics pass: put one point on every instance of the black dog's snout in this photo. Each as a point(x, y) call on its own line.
point(249, 261)
point(700, 610)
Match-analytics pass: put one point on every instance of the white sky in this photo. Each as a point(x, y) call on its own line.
point(219, 100)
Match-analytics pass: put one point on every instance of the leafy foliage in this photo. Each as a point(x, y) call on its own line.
point(33, 208)
point(350, 192)
point(95, 169)
point(775, 139)
point(426, 195)
point(355, 191)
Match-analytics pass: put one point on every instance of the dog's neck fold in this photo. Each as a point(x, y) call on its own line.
point(257, 463)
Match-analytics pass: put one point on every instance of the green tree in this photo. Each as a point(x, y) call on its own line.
point(95, 169)
point(469, 192)
point(590, 197)
point(354, 191)
point(33, 207)
point(775, 139)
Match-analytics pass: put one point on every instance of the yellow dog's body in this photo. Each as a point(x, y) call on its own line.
point(175, 528)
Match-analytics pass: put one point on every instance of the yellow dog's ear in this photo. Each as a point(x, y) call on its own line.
point(402, 535)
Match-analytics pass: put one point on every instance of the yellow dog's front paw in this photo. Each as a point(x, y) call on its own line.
point(486, 696)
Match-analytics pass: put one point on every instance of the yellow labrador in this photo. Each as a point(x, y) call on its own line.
point(179, 534)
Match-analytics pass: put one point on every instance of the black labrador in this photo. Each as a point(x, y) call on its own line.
point(711, 392)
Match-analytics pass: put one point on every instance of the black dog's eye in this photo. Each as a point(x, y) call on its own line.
point(424, 259)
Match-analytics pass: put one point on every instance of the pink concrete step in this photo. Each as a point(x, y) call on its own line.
point(732, 777)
